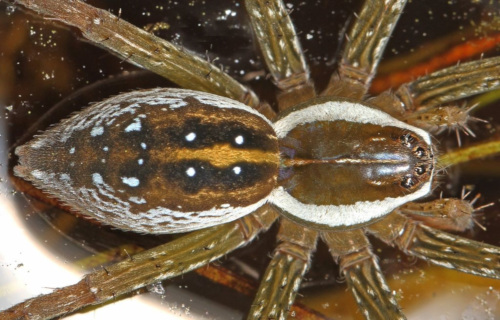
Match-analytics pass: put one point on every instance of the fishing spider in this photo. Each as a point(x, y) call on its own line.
point(413, 227)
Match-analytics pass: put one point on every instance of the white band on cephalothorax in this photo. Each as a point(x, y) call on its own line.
point(342, 110)
point(342, 215)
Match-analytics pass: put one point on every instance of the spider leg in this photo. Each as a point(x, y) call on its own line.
point(438, 247)
point(284, 273)
point(451, 84)
point(364, 47)
point(445, 214)
point(166, 261)
point(142, 48)
point(419, 102)
point(461, 155)
point(281, 49)
point(362, 273)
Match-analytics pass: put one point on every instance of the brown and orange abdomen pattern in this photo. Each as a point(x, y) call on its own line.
point(182, 159)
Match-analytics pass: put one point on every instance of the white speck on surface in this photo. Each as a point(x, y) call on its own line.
point(72, 150)
point(237, 170)
point(131, 181)
point(239, 139)
point(140, 161)
point(225, 205)
point(191, 172)
point(105, 149)
point(97, 131)
point(134, 126)
point(191, 136)
point(143, 145)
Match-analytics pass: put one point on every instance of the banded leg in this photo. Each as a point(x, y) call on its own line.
point(362, 272)
point(281, 50)
point(166, 261)
point(284, 273)
point(364, 47)
point(451, 84)
point(142, 48)
point(438, 247)
point(418, 102)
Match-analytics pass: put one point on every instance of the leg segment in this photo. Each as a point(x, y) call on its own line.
point(365, 44)
point(462, 155)
point(445, 214)
point(363, 274)
point(282, 51)
point(425, 94)
point(142, 48)
point(418, 102)
point(451, 84)
point(282, 279)
point(438, 247)
point(166, 261)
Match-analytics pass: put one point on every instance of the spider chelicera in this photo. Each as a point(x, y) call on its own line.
point(415, 103)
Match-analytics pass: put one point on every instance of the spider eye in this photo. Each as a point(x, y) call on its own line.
point(407, 140)
point(408, 182)
point(420, 152)
point(420, 170)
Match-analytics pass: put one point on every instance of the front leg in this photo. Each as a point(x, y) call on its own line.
point(419, 102)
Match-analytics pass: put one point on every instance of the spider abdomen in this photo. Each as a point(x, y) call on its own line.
point(157, 161)
point(346, 164)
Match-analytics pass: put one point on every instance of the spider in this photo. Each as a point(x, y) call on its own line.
point(298, 234)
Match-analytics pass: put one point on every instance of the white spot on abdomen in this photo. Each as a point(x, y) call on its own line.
point(97, 178)
point(239, 140)
point(131, 181)
point(97, 131)
point(191, 136)
point(134, 126)
point(191, 172)
point(137, 200)
point(237, 170)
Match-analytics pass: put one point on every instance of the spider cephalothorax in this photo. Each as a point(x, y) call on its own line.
point(333, 165)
